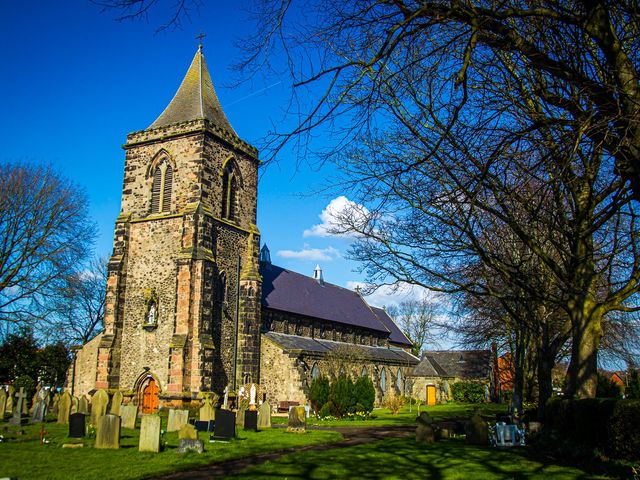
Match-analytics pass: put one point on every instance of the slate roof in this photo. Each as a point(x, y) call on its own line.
point(315, 346)
point(196, 98)
point(396, 335)
point(468, 364)
point(293, 292)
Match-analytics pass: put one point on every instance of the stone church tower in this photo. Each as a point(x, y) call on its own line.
point(183, 291)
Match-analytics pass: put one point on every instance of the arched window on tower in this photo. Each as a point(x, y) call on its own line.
point(229, 192)
point(161, 188)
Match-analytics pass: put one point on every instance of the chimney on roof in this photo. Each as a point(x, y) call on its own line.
point(265, 255)
point(317, 275)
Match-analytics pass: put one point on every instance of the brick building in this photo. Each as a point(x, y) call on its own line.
point(192, 304)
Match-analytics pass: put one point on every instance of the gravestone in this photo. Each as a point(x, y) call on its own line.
point(19, 418)
point(207, 412)
point(177, 418)
point(477, 431)
point(150, 430)
point(83, 405)
point(188, 431)
point(39, 411)
point(297, 419)
point(225, 426)
point(108, 432)
point(77, 425)
point(129, 414)
point(74, 404)
point(36, 397)
point(3, 403)
point(240, 416)
point(189, 445)
point(425, 432)
point(99, 403)
point(251, 420)
point(116, 403)
point(203, 426)
point(264, 415)
point(10, 393)
point(64, 408)
point(54, 403)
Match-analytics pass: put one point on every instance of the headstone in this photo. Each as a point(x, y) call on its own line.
point(19, 417)
point(188, 431)
point(54, 403)
point(83, 405)
point(177, 418)
point(203, 426)
point(189, 445)
point(425, 432)
point(264, 416)
point(10, 393)
point(207, 412)
point(129, 414)
point(99, 403)
point(225, 404)
point(225, 426)
point(108, 432)
point(64, 408)
point(3, 403)
point(75, 402)
point(240, 416)
point(251, 420)
point(297, 419)
point(150, 430)
point(36, 397)
point(77, 425)
point(39, 411)
point(477, 431)
point(116, 403)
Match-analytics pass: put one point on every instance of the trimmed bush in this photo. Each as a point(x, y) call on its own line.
point(319, 392)
point(364, 394)
point(468, 392)
point(341, 396)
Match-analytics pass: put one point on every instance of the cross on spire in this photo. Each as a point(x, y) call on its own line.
point(200, 37)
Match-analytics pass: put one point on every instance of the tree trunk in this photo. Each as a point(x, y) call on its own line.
point(519, 366)
point(586, 331)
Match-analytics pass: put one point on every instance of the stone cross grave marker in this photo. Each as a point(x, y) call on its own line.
point(264, 415)
point(116, 403)
point(150, 429)
point(64, 408)
point(207, 412)
point(99, 403)
point(3, 403)
point(129, 414)
point(18, 417)
point(108, 432)
point(177, 418)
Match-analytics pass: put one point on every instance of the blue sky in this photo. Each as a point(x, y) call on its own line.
point(75, 81)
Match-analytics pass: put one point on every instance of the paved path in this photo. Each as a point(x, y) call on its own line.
point(352, 436)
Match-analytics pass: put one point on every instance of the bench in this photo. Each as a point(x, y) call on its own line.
point(285, 405)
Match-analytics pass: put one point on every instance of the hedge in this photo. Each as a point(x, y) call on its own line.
point(468, 392)
point(610, 425)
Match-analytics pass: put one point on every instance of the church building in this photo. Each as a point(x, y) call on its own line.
point(193, 304)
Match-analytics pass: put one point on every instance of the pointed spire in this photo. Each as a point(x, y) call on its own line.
point(196, 98)
point(265, 254)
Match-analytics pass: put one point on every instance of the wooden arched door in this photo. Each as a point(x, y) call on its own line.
point(150, 397)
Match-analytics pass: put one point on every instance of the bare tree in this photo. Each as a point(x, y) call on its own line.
point(44, 232)
point(174, 11)
point(76, 310)
point(416, 318)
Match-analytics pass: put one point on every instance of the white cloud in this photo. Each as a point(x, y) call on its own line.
point(315, 254)
point(340, 207)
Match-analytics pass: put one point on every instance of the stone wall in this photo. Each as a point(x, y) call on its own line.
point(85, 368)
point(279, 375)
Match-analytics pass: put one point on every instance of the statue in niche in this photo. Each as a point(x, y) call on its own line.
point(151, 315)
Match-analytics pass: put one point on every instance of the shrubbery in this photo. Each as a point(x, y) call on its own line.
point(319, 392)
point(342, 398)
point(393, 402)
point(468, 392)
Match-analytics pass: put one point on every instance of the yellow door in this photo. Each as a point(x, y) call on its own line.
point(431, 394)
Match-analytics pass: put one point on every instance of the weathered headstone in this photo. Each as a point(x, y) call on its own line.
point(297, 419)
point(240, 416)
point(99, 403)
point(77, 425)
point(264, 416)
point(207, 412)
point(10, 393)
point(108, 432)
point(3, 403)
point(129, 414)
point(189, 445)
point(477, 431)
point(116, 403)
point(54, 403)
point(188, 432)
point(177, 418)
point(251, 420)
point(39, 411)
point(225, 426)
point(19, 411)
point(425, 432)
point(150, 430)
point(74, 404)
point(64, 408)
point(83, 405)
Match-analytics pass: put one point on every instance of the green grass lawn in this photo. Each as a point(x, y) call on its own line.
point(23, 457)
point(404, 459)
